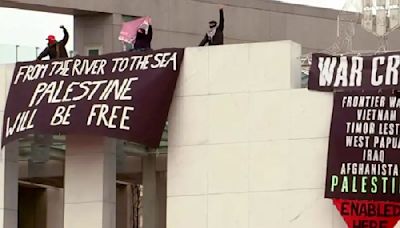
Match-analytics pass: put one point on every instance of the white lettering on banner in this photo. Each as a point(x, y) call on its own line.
point(163, 59)
point(342, 78)
point(106, 116)
point(93, 67)
point(326, 68)
point(68, 91)
point(103, 93)
point(60, 68)
point(134, 63)
point(79, 67)
point(31, 72)
point(87, 89)
point(377, 80)
point(22, 122)
point(392, 74)
point(125, 117)
point(394, 102)
point(120, 92)
point(83, 66)
point(356, 71)
point(341, 75)
point(363, 101)
point(61, 115)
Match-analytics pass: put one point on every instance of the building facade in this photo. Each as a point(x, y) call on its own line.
point(183, 23)
point(240, 149)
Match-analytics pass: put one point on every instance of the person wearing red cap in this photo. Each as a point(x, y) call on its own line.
point(55, 49)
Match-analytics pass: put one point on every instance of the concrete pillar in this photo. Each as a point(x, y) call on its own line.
point(9, 185)
point(124, 206)
point(32, 206)
point(55, 207)
point(150, 209)
point(90, 182)
point(97, 31)
point(162, 199)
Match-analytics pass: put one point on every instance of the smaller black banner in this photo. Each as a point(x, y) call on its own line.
point(328, 73)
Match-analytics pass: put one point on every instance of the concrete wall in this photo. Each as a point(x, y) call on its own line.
point(8, 163)
point(247, 148)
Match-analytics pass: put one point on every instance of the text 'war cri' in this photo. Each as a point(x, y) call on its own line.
point(79, 67)
point(348, 71)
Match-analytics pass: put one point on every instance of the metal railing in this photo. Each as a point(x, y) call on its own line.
point(10, 53)
point(17, 53)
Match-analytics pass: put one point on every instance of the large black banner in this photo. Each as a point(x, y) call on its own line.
point(364, 147)
point(123, 95)
point(362, 177)
point(329, 73)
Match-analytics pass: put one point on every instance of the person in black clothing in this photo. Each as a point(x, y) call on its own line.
point(215, 36)
point(143, 39)
point(55, 49)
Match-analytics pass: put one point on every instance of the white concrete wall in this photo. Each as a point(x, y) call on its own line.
point(6, 73)
point(8, 161)
point(247, 149)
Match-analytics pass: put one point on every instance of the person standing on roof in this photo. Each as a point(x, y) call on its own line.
point(144, 36)
point(55, 49)
point(215, 36)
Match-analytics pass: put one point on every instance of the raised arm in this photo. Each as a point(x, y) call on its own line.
point(44, 53)
point(221, 19)
point(66, 36)
point(204, 41)
point(150, 33)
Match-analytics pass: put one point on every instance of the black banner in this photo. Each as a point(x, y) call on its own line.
point(122, 95)
point(349, 73)
point(364, 147)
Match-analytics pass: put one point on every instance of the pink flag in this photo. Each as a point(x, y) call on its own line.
point(129, 29)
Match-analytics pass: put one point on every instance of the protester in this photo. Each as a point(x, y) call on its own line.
point(215, 36)
point(144, 36)
point(55, 49)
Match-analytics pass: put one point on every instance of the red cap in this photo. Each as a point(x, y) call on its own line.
point(51, 38)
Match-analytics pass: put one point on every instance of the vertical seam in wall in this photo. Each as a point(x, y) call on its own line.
point(207, 171)
point(169, 20)
point(208, 77)
point(248, 184)
point(208, 131)
point(333, 220)
point(248, 140)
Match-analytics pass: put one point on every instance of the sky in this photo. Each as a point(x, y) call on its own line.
point(29, 29)
point(334, 4)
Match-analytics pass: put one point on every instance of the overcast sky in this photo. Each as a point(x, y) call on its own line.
point(30, 28)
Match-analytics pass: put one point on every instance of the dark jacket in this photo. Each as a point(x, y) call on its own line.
point(56, 50)
point(143, 41)
point(218, 38)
